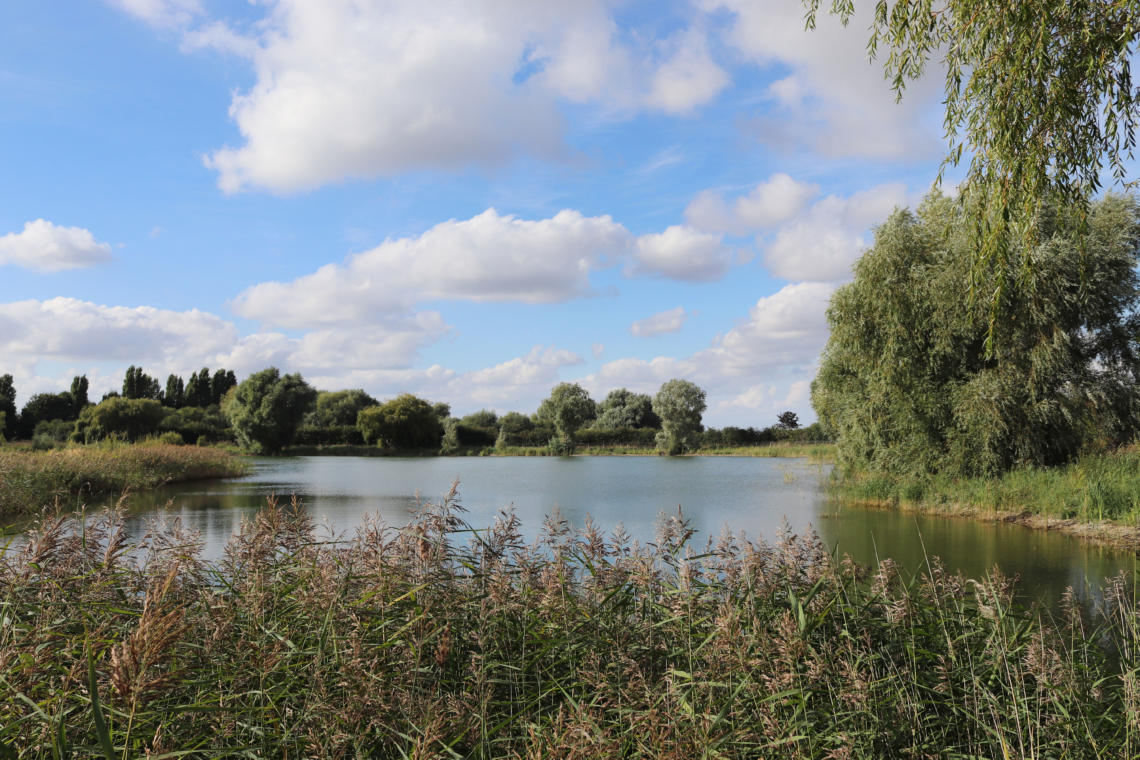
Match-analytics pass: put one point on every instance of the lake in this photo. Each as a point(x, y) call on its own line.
point(755, 496)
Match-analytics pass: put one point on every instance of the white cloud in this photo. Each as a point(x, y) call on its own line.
point(681, 253)
point(771, 355)
point(490, 257)
point(67, 329)
point(824, 242)
point(835, 102)
point(669, 321)
point(689, 78)
point(166, 14)
point(355, 90)
point(49, 248)
point(776, 200)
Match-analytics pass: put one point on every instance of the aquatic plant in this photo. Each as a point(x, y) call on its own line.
point(437, 640)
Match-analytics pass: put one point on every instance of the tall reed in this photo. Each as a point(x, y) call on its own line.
point(436, 640)
point(30, 480)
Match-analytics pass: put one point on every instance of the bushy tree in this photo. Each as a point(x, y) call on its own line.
point(126, 418)
point(46, 406)
point(1039, 96)
point(569, 407)
point(442, 410)
point(622, 408)
point(680, 405)
point(8, 406)
point(788, 420)
point(405, 422)
point(906, 383)
point(339, 408)
point(484, 418)
point(266, 408)
point(197, 424)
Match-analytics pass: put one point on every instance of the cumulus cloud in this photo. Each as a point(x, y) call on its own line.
point(687, 79)
point(834, 102)
point(347, 89)
point(46, 247)
point(824, 242)
point(681, 253)
point(67, 329)
point(669, 321)
point(490, 257)
point(772, 202)
point(799, 239)
point(105, 339)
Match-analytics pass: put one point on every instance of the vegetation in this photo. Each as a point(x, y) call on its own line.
point(679, 404)
point(129, 419)
point(623, 408)
point(569, 407)
point(1039, 95)
point(906, 383)
point(30, 480)
point(405, 422)
point(434, 641)
point(266, 409)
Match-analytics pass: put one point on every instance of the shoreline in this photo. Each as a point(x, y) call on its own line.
point(1104, 533)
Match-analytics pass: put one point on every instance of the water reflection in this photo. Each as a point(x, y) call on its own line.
point(749, 495)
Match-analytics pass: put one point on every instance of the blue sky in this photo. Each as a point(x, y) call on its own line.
point(469, 200)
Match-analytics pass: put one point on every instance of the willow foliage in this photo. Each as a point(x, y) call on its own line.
point(907, 384)
point(1038, 93)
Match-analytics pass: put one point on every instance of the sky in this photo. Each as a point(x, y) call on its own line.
point(468, 200)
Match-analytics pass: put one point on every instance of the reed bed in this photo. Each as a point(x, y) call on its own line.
point(1097, 487)
point(30, 480)
point(436, 641)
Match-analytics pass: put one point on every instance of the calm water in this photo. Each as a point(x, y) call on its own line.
point(752, 495)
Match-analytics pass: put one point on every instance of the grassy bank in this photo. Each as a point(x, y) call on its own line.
point(30, 480)
point(1097, 497)
point(824, 452)
point(424, 643)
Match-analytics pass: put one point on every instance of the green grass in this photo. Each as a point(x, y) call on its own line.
point(1097, 487)
point(30, 480)
point(434, 641)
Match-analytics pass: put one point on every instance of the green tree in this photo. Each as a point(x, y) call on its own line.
point(484, 418)
point(442, 410)
point(1038, 94)
point(787, 420)
point(405, 422)
point(907, 385)
point(8, 406)
point(679, 404)
point(339, 408)
point(138, 384)
point(126, 418)
point(45, 406)
point(622, 408)
point(220, 384)
point(79, 398)
point(266, 408)
point(569, 407)
point(175, 395)
point(198, 391)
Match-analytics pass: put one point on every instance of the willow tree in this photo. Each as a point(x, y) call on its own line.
point(907, 383)
point(1038, 96)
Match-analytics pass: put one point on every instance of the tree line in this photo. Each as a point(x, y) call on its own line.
point(269, 411)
